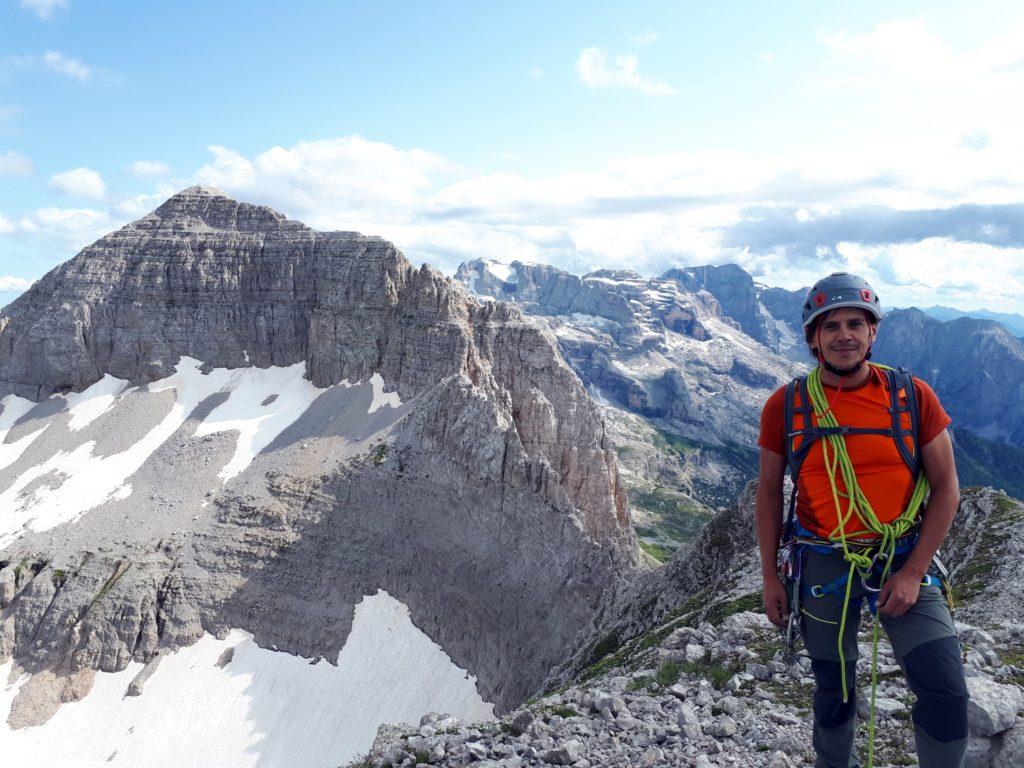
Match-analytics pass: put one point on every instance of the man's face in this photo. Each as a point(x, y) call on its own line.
point(844, 336)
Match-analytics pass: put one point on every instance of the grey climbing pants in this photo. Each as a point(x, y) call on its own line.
point(926, 648)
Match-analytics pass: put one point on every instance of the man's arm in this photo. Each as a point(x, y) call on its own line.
point(900, 592)
point(768, 518)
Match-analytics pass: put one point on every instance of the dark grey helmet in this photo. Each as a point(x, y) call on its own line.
point(840, 289)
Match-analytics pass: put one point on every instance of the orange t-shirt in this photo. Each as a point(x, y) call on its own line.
point(882, 474)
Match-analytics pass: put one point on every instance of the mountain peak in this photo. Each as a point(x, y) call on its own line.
point(202, 206)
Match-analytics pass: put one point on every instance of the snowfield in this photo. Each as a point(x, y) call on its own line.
point(262, 708)
point(259, 404)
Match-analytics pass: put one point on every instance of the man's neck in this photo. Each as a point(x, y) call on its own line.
point(830, 379)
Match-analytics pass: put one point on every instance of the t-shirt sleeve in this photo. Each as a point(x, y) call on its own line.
point(773, 417)
point(933, 417)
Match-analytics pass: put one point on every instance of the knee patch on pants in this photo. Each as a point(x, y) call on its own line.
point(830, 711)
point(935, 675)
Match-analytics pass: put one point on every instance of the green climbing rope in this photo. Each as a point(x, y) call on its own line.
point(858, 512)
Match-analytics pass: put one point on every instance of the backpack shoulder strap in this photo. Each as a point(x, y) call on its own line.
point(807, 433)
point(901, 383)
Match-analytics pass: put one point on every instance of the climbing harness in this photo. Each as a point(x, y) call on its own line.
point(870, 559)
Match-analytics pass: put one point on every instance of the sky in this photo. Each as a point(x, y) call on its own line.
point(794, 139)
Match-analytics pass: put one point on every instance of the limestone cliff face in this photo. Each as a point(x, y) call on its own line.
point(489, 502)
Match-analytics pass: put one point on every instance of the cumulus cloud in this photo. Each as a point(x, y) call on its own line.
point(65, 65)
point(10, 284)
point(596, 71)
point(44, 9)
point(15, 164)
point(79, 182)
point(333, 181)
point(54, 232)
point(145, 169)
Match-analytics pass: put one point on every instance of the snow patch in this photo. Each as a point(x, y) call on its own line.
point(270, 708)
point(14, 408)
point(787, 339)
point(380, 397)
point(258, 424)
point(85, 407)
point(503, 272)
point(596, 395)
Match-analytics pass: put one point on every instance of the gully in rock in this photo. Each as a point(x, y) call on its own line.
point(863, 444)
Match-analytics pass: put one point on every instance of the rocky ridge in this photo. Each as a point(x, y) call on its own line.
point(680, 381)
point(496, 449)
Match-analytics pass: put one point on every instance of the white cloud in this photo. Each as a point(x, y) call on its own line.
point(767, 57)
point(923, 85)
point(79, 182)
point(595, 71)
point(44, 8)
point(642, 38)
point(9, 284)
point(145, 169)
point(63, 221)
point(65, 65)
point(333, 182)
point(537, 73)
point(15, 164)
point(643, 212)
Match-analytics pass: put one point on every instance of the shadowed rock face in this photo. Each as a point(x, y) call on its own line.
point(493, 510)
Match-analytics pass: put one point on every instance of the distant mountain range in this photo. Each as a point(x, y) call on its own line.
point(1014, 322)
point(690, 357)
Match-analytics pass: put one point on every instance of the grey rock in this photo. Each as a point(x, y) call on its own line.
point(137, 683)
point(979, 752)
point(565, 754)
point(722, 727)
point(1011, 748)
point(521, 722)
point(476, 750)
point(760, 672)
point(992, 707)
point(694, 652)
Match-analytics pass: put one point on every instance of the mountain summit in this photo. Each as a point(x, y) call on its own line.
point(218, 423)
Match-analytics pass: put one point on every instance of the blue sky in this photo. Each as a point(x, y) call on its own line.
point(791, 138)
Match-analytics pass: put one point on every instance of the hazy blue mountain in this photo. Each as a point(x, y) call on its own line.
point(1014, 322)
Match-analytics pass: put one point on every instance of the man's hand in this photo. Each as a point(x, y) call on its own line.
point(776, 604)
point(899, 593)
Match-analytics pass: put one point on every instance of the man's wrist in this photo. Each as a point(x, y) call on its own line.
point(915, 568)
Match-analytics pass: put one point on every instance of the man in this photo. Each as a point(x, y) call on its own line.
point(858, 531)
